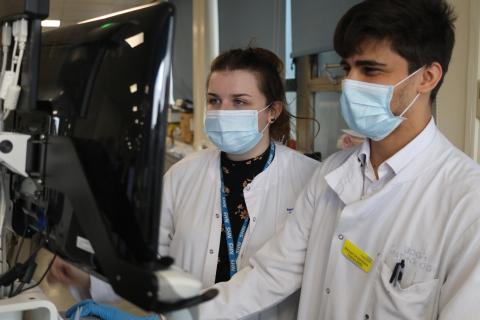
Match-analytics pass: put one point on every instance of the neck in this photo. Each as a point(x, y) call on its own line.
point(410, 128)
point(260, 148)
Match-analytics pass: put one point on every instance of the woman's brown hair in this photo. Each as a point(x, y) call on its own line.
point(268, 69)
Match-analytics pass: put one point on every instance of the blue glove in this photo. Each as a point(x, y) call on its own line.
point(103, 312)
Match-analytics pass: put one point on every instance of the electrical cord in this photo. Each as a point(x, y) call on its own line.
point(17, 255)
point(24, 271)
point(306, 118)
point(41, 278)
point(10, 88)
point(29, 266)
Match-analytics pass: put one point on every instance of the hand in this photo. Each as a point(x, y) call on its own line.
point(347, 141)
point(64, 273)
point(103, 312)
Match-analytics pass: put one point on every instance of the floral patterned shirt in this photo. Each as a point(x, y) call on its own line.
point(236, 176)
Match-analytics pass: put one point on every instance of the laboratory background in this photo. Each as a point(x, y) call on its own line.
point(300, 32)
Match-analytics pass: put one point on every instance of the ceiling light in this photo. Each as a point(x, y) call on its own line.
point(51, 23)
point(135, 40)
point(117, 13)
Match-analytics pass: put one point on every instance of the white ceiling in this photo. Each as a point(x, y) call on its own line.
point(72, 11)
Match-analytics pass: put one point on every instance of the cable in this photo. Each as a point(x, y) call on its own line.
point(10, 88)
point(19, 64)
point(6, 42)
point(12, 94)
point(25, 270)
point(15, 260)
point(305, 118)
point(5, 114)
point(12, 64)
point(22, 41)
point(42, 277)
point(18, 290)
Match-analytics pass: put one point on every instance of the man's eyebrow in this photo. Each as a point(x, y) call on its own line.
point(369, 63)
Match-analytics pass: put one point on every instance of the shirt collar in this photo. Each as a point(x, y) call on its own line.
point(405, 155)
point(346, 180)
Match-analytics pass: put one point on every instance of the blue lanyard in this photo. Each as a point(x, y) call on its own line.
point(233, 251)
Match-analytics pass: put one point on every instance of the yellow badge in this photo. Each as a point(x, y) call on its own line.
point(357, 256)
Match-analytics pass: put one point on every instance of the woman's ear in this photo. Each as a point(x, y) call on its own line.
point(275, 110)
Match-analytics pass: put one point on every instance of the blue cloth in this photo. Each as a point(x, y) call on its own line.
point(103, 312)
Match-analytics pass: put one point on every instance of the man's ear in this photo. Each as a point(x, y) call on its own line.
point(431, 76)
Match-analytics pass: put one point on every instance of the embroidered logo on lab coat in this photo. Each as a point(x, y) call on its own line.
point(413, 256)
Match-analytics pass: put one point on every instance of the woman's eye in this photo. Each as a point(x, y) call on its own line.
point(238, 102)
point(213, 101)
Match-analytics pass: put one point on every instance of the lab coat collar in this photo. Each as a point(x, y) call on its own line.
point(403, 157)
point(400, 159)
point(347, 179)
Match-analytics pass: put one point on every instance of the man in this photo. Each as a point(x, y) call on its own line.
point(389, 229)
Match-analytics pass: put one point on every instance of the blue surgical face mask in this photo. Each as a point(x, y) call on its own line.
point(366, 107)
point(234, 131)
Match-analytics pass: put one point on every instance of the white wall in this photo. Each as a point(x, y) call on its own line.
point(477, 120)
point(477, 139)
point(458, 96)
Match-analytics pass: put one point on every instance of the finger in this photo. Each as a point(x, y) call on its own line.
point(53, 276)
point(60, 276)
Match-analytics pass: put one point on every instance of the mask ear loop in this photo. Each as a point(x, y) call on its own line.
point(416, 97)
point(409, 106)
point(261, 110)
point(270, 121)
point(408, 77)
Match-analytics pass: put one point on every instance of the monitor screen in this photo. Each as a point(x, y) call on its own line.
point(96, 155)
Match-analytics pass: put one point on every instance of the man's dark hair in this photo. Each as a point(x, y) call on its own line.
point(421, 31)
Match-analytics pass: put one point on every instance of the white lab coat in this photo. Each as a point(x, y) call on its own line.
point(428, 214)
point(191, 216)
point(191, 222)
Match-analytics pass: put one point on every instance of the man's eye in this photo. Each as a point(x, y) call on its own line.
point(369, 71)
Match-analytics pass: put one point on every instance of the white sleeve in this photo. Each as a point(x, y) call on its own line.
point(166, 216)
point(101, 291)
point(273, 273)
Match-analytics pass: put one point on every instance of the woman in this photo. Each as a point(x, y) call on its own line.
point(261, 179)
point(221, 205)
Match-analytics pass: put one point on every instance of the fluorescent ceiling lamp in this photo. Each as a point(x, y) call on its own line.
point(51, 23)
point(117, 13)
point(133, 88)
point(135, 40)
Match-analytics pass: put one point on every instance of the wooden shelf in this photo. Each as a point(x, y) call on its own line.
point(324, 85)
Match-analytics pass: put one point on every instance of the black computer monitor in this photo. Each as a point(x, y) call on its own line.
point(95, 159)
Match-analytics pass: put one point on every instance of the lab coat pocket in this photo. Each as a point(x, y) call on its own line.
point(415, 302)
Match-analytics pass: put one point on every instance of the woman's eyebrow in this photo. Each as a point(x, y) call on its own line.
point(238, 95)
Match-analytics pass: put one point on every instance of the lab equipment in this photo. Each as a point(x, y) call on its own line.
point(84, 152)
